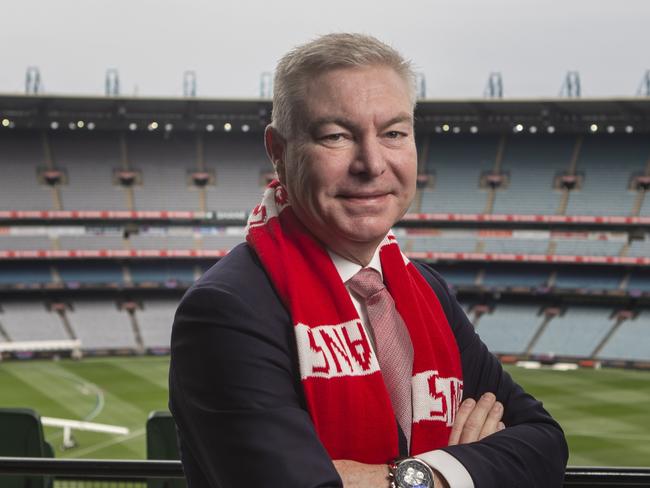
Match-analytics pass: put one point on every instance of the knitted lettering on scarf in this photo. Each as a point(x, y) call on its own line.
point(343, 386)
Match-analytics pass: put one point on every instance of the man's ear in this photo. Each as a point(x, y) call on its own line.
point(276, 148)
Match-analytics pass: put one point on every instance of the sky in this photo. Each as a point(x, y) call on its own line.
point(228, 44)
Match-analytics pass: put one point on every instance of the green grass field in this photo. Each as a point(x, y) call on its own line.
point(605, 414)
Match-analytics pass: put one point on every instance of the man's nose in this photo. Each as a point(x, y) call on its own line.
point(369, 158)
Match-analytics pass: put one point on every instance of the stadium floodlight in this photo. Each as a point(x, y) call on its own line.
point(550, 129)
point(72, 126)
point(6, 122)
point(54, 125)
point(494, 87)
point(473, 129)
point(80, 124)
point(593, 127)
point(438, 129)
point(209, 127)
point(445, 127)
point(133, 126)
point(532, 129)
point(245, 128)
point(571, 88)
point(456, 130)
point(91, 125)
point(227, 126)
point(518, 128)
point(153, 125)
point(629, 129)
point(610, 129)
point(168, 127)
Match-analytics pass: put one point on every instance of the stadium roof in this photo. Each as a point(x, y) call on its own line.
point(486, 115)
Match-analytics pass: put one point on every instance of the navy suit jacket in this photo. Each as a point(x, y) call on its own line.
point(236, 394)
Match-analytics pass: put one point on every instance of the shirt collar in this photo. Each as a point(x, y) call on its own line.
point(347, 269)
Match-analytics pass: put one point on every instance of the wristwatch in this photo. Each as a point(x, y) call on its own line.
point(410, 473)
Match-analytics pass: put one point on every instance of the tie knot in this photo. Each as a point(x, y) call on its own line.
point(366, 282)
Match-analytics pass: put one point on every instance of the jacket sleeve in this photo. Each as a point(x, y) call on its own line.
point(532, 450)
point(234, 395)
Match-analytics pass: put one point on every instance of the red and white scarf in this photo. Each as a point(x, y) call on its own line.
point(344, 389)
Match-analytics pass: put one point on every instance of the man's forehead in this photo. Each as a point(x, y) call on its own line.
point(343, 96)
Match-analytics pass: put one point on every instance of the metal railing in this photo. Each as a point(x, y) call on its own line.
point(119, 473)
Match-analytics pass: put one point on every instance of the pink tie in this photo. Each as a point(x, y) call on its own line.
point(392, 342)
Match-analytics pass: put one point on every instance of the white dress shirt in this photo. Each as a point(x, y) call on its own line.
point(447, 465)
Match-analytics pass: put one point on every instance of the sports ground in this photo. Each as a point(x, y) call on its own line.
point(605, 413)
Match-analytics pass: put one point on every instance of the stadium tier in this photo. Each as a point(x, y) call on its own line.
point(519, 221)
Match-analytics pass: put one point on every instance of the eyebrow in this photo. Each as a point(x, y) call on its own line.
point(344, 122)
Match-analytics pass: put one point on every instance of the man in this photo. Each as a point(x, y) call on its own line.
point(316, 355)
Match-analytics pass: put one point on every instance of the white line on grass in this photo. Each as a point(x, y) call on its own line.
point(111, 442)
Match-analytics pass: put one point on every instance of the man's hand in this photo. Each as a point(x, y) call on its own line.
point(476, 420)
point(359, 475)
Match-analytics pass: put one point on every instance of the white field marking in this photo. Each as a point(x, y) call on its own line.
point(110, 442)
point(85, 386)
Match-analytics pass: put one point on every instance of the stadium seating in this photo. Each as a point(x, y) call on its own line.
point(601, 278)
point(22, 436)
point(73, 272)
point(608, 162)
point(162, 444)
point(458, 162)
point(26, 243)
point(585, 247)
point(639, 281)
point(238, 160)
point(576, 333)
point(640, 248)
point(164, 162)
point(443, 243)
point(162, 271)
point(21, 154)
point(155, 321)
point(24, 273)
point(532, 161)
point(100, 325)
point(509, 328)
point(630, 341)
point(88, 158)
point(457, 274)
point(515, 246)
point(28, 320)
point(513, 275)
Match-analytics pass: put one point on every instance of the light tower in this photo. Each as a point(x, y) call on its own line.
point(494, 87)
point(266, 85)
point(33, 81)
point(112, 83)
point(421, 86)
point(571, 87)
point(644, 86)
point(189, 84)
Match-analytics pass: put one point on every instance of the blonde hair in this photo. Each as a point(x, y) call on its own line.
point(325, 53)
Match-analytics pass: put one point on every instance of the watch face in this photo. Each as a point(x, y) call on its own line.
point(412, 474)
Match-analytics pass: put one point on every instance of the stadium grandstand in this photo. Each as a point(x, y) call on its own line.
point(536, 212)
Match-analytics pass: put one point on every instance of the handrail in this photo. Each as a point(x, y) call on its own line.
point(102, 468)
point(593, 476)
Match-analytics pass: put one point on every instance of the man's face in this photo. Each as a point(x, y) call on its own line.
point(351, 170)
